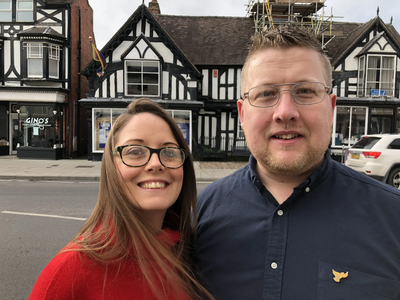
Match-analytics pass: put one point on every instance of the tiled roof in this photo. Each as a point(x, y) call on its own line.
point(344, 36)
point(210, 40)
point(347, 35)
point(41, 32)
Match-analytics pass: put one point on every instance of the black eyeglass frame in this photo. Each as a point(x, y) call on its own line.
point(152, 150)
point(246, 95)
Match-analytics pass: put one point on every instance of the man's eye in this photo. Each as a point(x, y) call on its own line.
point(266, 94)
point(305, 91)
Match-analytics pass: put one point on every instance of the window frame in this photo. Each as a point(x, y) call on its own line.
point(55, 58)
point(367, 81)
point(18, 14)
point(49, 54)
point(142, 82)
point(18, 10)
point(38, 56)
point(9, 10)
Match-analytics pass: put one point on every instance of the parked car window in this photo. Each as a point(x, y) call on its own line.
point(395, 144)
point(366, 143)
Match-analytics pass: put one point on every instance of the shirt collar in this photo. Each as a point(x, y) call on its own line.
point(313, 180)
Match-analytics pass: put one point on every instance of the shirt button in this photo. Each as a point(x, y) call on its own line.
point(307, 189)
point(280, 212)
point(274, 265)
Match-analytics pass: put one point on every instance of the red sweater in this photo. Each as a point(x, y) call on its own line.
point(73, 275)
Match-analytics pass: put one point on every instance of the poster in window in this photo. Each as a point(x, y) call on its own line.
point(184, 127)
point(104, 131)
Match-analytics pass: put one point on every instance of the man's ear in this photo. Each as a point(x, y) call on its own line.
point(332, 98)
point(240, 104)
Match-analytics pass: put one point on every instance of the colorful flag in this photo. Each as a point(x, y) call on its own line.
point(98, 56)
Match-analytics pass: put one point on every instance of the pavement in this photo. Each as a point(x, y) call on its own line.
point(12, 167)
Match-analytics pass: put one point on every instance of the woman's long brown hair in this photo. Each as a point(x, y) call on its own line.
point(116, 229)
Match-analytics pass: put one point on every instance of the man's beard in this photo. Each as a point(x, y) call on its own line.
point(299, 164)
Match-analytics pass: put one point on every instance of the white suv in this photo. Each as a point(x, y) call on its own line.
point(378, 156)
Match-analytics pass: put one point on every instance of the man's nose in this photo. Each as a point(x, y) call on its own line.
point(286, 109)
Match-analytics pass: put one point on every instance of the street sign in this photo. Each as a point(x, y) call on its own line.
point(378, 92)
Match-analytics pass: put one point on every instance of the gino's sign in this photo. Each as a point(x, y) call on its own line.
point(37, 122)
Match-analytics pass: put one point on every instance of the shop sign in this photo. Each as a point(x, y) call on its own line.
point(37, 122)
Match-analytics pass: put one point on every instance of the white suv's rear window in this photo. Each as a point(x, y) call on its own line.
point(366, 143)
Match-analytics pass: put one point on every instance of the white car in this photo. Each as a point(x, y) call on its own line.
point(378, 156)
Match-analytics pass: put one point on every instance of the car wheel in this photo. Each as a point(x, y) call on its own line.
point(394, 178)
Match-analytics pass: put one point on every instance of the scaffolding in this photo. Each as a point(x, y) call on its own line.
point(270, 13)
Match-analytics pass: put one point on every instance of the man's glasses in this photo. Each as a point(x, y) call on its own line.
point(139, 155)
point(303, 93)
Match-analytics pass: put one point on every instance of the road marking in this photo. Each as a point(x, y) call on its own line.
point(42, 215)
point(54, 181)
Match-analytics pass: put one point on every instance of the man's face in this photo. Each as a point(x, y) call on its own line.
point(287, 139)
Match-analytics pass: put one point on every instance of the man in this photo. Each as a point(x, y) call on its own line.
point(294, 224)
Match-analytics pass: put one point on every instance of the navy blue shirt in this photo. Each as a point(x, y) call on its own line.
point(336, 222)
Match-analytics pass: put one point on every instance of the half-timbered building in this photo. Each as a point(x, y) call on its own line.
point(192, 67)
point(43, 46)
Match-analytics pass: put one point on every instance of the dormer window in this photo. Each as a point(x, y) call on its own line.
point(142, 78)
point(16, 11)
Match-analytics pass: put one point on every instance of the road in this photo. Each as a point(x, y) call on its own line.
point(37, 219)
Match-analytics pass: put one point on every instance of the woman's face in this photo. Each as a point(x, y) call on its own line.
point(152, 188)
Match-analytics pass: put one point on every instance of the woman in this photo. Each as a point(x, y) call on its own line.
point(136, 242)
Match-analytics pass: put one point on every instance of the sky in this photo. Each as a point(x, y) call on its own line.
point(110, 15)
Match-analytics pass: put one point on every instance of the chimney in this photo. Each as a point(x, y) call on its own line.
point(154, 7)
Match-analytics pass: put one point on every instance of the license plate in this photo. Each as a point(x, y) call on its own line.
point(355, 156)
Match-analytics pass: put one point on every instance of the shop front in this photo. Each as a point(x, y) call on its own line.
point(354, 118)
point(101, 120)
point(36, 131)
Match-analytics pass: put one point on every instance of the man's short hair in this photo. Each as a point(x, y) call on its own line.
point(285, 37)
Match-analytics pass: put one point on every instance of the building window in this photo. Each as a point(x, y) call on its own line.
point(183, 119)
point(5, 11)
point(35, 59)
point(54, 59)
point(24, 10)
point(380, 75)
point(350, 125)
point(104, 118)
point(142, 78)
point(35, 55)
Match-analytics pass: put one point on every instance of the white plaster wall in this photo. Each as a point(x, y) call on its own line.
point(204, 88)
point(223, 121)
point(165, 53)
point(214, 85)
point(238, 78)
point(222, 92)
point(111, 79)
point(231, 75)
point(165, 82)
point(352, 60)
point(121, 49)
point(120, 81)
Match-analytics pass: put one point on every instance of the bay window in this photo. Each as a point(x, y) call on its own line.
point(43, 60)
